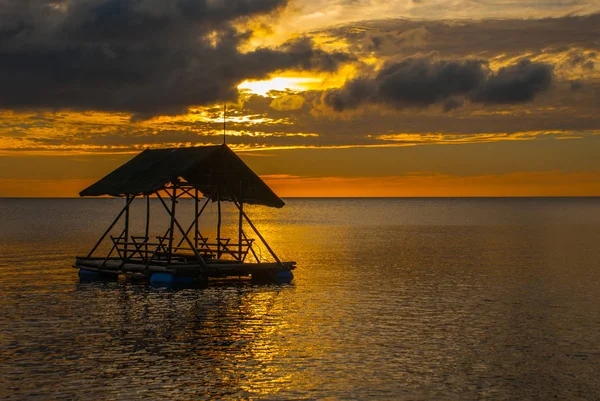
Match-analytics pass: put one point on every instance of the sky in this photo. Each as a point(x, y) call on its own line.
point(329, 98)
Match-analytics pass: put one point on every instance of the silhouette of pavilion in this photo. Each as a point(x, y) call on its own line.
point(183, 255)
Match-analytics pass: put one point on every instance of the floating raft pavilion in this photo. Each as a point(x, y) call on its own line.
point(182, 255)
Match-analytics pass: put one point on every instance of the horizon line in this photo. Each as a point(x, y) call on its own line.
point(338, 197)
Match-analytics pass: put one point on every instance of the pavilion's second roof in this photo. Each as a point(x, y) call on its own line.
point(204, 167)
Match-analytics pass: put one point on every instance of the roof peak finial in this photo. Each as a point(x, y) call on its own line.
point(224, 120)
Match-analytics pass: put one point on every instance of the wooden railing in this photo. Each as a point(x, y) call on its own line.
point(140, 248)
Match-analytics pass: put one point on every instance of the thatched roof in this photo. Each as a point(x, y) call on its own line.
point(202, 167)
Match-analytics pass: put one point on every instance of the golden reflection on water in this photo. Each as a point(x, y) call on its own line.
point(392, 299)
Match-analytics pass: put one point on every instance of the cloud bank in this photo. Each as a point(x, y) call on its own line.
point(145, 57)
point(495, 76)
point(421, 82)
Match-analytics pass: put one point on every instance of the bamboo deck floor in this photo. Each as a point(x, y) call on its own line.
point(180, 267)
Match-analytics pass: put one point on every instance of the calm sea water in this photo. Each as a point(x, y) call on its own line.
point(394, 299)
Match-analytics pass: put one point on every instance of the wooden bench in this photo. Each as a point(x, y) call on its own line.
point(140, 246)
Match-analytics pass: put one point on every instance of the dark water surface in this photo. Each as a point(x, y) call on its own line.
point(394, 299)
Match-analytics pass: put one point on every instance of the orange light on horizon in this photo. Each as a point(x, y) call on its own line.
point(545, 183)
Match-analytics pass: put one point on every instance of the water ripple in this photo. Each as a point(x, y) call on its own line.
point(452, 309)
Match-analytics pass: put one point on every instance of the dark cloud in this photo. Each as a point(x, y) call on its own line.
point(147, 57)
point(517, 83)
point(452, 103)
point(410, 83)
point(352, 95)
point(422, 82)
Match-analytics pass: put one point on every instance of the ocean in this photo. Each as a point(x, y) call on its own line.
point(393, 299)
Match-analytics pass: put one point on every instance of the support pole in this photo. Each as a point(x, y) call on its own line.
point(173, 202)
point(189, 242)
point(240, 224)
point(126, 227)
point(218, 221)
point(195, 222)
point(257, 233)
point(110, 227)
point(147, 231)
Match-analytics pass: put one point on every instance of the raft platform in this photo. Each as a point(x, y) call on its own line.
point(185, 256)
point(184, 272)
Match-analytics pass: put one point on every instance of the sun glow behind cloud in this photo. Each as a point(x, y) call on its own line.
point(288, 116)
point(282, 84)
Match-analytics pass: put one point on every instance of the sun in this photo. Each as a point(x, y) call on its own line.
point(262, 88)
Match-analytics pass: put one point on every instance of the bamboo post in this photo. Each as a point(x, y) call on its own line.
point(218, 221)
point(147, 231)
point(257, 233)
point(240, 224)
point(171, 234)
point(110, 227)
point(189, 242)
point(126, 227)
point(195, 222)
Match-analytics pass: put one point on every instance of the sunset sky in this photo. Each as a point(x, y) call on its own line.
point(328, 98)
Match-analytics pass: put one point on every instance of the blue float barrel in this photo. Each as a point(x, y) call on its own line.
point(284, 276)
point(89, 275)
point(160, 278)
point(163, 278)
point(279, 276)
